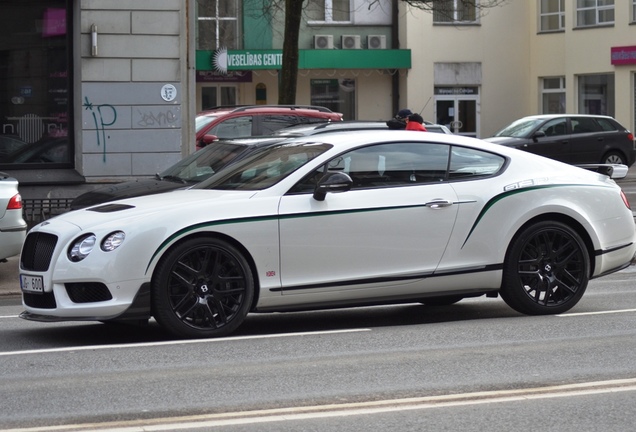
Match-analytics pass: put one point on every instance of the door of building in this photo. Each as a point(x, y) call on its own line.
point(217, 95)
point(458, 109)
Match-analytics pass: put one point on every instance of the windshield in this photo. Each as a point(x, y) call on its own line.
point(264, 168)
point(202, 164)
point(520, 128)
point(202, 121)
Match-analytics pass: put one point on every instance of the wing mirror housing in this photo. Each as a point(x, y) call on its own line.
point(332, 182)
point(537, 135)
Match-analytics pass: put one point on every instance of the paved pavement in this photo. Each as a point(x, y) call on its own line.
point(10, 285)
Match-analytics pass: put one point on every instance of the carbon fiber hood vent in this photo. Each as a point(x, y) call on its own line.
point(111, 208)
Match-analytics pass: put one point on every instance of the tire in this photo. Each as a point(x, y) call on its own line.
point(546, 270)
point(202, 288)
point(442, 301)
point(614, 158)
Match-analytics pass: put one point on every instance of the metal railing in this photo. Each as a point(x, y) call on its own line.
point(38, 210)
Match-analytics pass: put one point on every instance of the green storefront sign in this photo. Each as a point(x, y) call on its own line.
point(233, 60)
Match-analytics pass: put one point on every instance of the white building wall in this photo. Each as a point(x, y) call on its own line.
point(500, 44)
point(129, 125)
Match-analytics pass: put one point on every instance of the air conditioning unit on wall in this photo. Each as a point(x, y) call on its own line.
point(351, 42)
point(323, 41)
point(376, 42)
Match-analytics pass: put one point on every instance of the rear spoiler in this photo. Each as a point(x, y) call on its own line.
point(614, 171)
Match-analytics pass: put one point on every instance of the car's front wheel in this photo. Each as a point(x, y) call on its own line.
point(202, 288)
point(546, 270)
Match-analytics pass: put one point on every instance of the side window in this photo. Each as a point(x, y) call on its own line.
point(271, 123)
point(468, 162)
point(555, 127)
point(584, 125)
point(606, 125)
point(233, 128)
point(386, 165)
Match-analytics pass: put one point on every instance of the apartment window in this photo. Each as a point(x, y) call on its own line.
point(218, 24)
point(594, 12)
point(553, 95)
point(552, 15)
point(633, 10)
point(454, 11)
point(328, 10)
point(596, 94)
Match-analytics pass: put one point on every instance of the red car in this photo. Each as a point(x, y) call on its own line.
point(256, 120)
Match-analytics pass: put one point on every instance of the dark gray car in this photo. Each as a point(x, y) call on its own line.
point(572, 138)
point(205, 162)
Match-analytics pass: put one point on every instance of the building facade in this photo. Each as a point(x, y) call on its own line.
point(99, 91)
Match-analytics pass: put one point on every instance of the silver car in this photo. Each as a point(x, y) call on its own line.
point(12, 225)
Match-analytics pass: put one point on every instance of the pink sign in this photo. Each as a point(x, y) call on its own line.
point(624, 55)
point(54, 22)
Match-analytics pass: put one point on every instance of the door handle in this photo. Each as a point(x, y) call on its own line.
point(438, 203)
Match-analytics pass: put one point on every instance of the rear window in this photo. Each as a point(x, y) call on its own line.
point(607, 125)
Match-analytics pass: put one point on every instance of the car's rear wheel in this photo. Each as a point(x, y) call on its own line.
point(202, 288)
point(614, 158)
point(546, 269)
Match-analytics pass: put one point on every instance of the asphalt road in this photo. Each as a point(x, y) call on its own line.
point(473, 366)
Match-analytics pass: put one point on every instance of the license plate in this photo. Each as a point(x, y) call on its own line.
point(32, 284)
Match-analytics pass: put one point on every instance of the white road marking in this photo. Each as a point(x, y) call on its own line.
point(568, 315)
point(175, 342)
point(342, 410)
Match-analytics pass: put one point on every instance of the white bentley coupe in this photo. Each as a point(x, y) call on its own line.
point(336, 220)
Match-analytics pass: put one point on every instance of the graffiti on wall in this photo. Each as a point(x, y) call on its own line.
point(103, 115)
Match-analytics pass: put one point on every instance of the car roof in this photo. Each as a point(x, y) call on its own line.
point(266, 108)
point(551, 116)
point(331, 127)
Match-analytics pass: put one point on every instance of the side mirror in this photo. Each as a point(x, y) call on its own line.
point(332, 182)
point(208, 139)
point(538, 134)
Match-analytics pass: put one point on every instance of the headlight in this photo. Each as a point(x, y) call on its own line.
point(82, 247)
point(112, 241)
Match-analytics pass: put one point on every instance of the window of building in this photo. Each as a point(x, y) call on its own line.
point(596, 94)
point(594, 12)
point(339, 95)
point(328, 10)
point(553, 95)
point(454, 11)
point(218, 24)
point(35, 90)
point(633, 10)
point(552, 15)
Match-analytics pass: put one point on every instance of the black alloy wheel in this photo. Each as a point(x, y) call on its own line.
point(546, 270)
point(202, 288)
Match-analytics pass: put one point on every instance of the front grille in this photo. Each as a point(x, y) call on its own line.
point(37, 251)
point(40, 301)
point(88, 292)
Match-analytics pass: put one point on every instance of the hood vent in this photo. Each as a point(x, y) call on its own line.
point(110, 208)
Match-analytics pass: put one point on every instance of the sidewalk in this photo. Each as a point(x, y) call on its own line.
point(9, 281)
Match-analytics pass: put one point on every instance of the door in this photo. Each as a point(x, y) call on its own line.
point(212, 95)
point(391, 228)
point(459, 114)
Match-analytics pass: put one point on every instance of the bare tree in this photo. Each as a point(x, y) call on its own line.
point(293, 12)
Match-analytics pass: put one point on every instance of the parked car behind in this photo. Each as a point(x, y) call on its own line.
point(187, 172)
point(315, 129)
point(256, 120)
point(571, 138)
point(205, 162)
point(12, 226)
